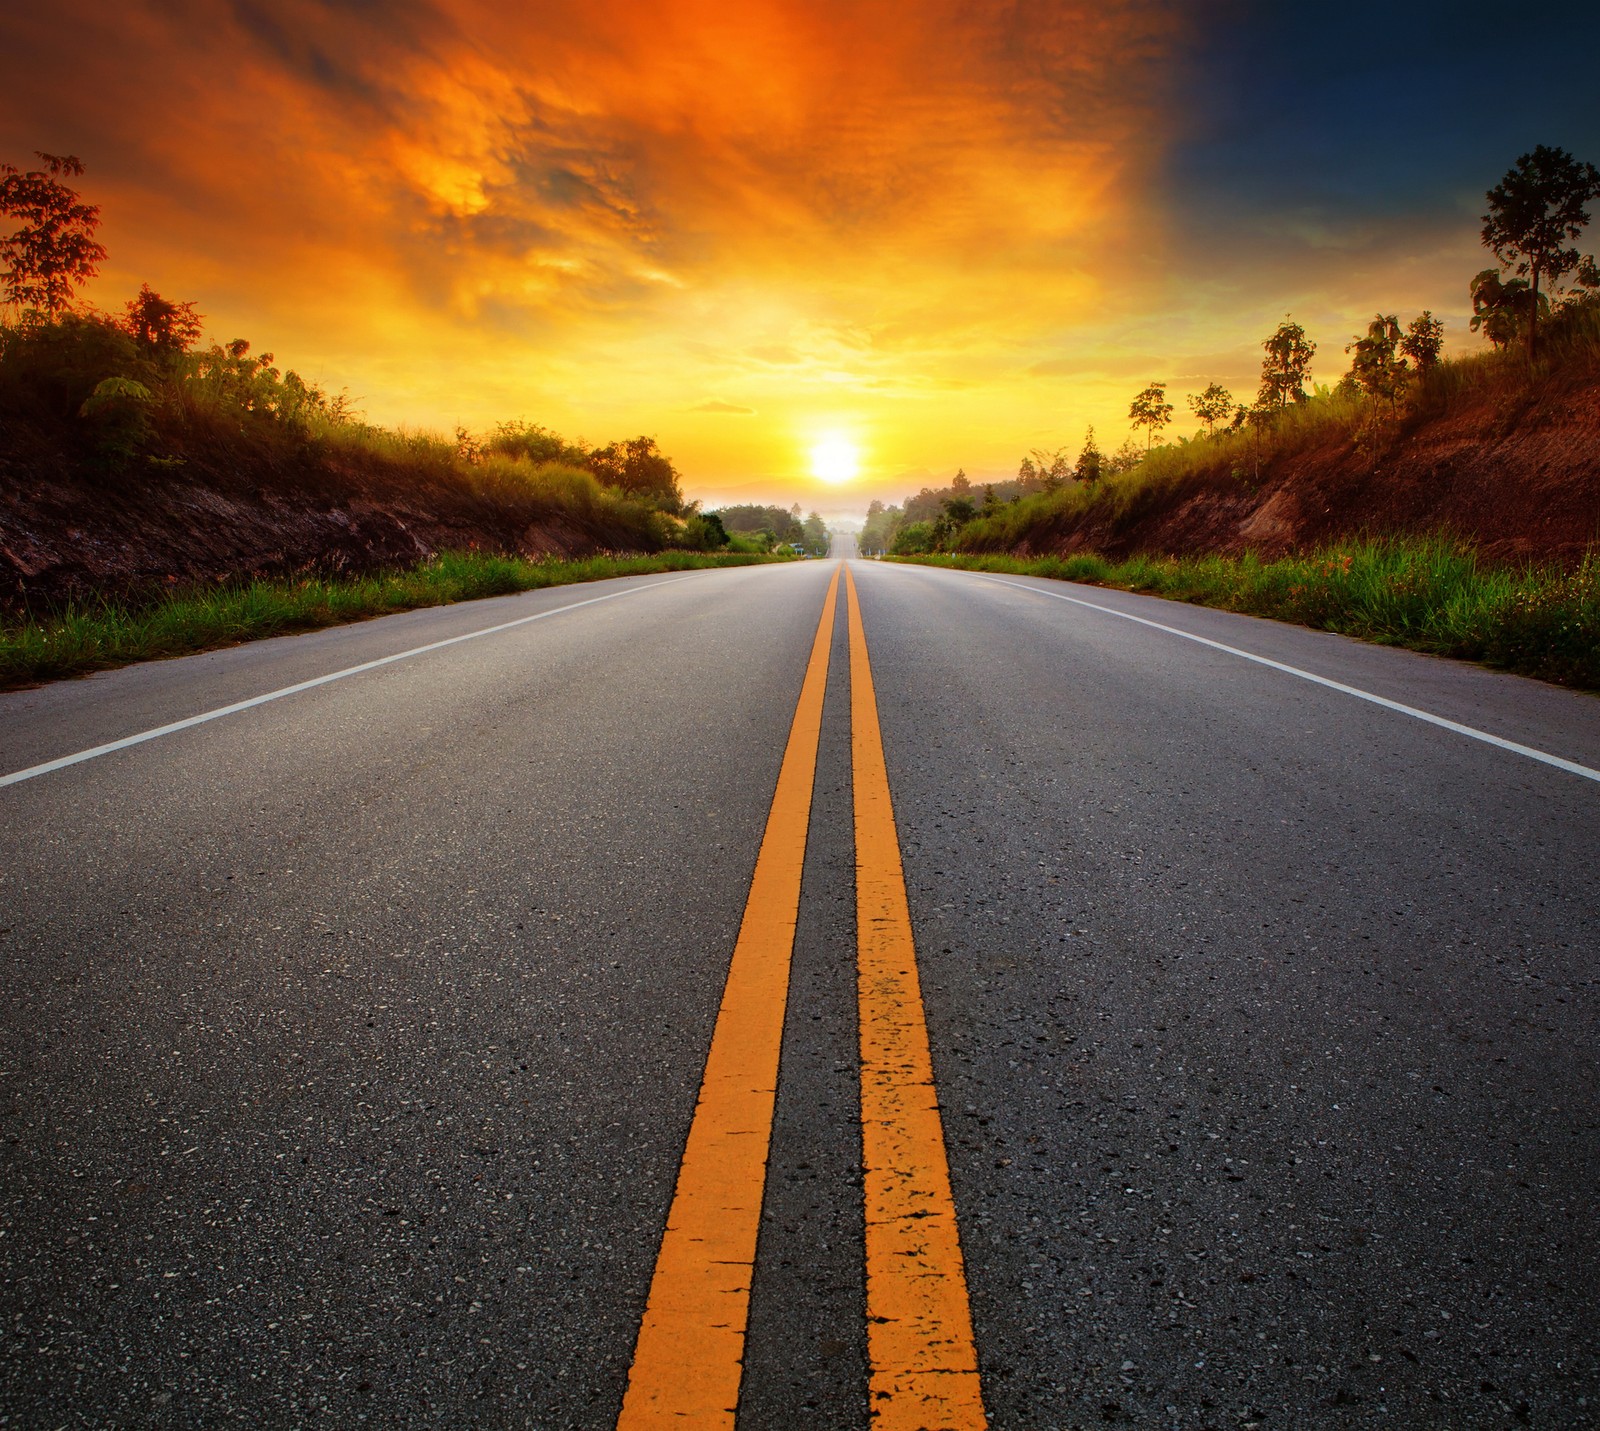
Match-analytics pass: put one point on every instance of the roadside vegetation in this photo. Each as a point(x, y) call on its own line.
point(131, 400)
point(1429, 595)
point(1538, 307)
point(162, 494)
point(78, 638)
point(1166, 517)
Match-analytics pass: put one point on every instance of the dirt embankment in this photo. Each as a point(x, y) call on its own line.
point(68, 532)
point(1517, 474)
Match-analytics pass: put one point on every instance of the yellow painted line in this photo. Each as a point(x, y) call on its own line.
point(690, 1354)
point(924, 1365)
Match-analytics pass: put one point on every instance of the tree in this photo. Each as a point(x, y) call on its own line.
point(161, 326)
point(879, 532)
point(1588, 280)
point(1423, 342)
point(1028, 479)
point(1090, 461)
point(1503, 308)
point(1211, 406)
point(1124, 459)
point(640, 469)
point(1378, 369)
point(1286, 366)
point(54, 251)
point(961, 484)
point(1052, 468)
point(1151, 411)
point(958, 511)
point(913, 539)
point(816, 534)
point(1534, 214)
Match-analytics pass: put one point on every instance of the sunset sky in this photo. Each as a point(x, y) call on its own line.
point(940, 234)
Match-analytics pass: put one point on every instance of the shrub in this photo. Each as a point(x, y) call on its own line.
point(913, 539)
point(118, 410)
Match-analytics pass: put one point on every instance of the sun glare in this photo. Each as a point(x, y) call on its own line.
point(834, 460)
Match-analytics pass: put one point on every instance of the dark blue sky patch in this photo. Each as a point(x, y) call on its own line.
point(1358, 111)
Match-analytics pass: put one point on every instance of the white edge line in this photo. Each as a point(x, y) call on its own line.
point(34, 771)
point(1472, 733)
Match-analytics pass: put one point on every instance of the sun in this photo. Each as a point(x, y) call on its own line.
point(834, 460)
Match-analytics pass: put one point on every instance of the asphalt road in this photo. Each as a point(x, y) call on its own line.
point(350, 1041)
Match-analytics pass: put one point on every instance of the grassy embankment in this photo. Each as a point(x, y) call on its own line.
point(1495, 391)
point(1426, 594)
point(83, 638)
point(166, 499)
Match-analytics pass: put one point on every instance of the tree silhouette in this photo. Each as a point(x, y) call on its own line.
point(1091, 461)
point(1502, 308)
point(1211, 406)
point(1286, 366)
point(1534, 214)
point(54, 251)
point(1374, 361)
point(1051, 468)
point(1151, 411)
point(160, 325)
point(1423, 342)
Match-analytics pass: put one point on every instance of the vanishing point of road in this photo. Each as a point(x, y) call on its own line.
point(820, 995)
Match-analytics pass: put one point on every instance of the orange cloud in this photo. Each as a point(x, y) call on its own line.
point(844, 215)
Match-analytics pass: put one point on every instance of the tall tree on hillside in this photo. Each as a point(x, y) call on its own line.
point(1212, 406)
point(1534, 214)
point(1375, 360)
point(54, 251)
point(1286, 366)
point(1424, 341)
point(1151, 411)
point(1091, 461)
point(1052, 468)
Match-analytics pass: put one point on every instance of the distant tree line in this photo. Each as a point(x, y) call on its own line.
point(774, 528)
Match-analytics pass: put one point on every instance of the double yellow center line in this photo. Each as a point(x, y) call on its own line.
point(690, 1353)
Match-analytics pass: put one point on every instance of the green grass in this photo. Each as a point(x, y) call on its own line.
point(1427, 594)
point(79, 639)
